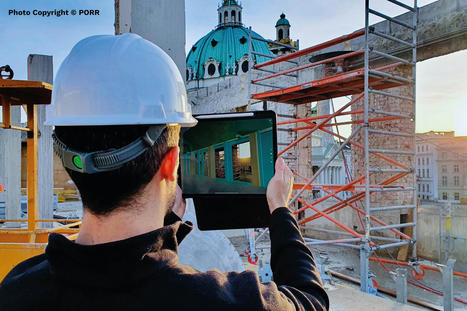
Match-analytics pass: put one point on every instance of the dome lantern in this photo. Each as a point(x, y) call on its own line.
point(282, 28)
point(229, 13)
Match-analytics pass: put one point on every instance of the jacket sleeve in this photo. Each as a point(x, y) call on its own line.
point(297, 284)
point(293, 266)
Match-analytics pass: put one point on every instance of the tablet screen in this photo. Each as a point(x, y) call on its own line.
point(229, 154)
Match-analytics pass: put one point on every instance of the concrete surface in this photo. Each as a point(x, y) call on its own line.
point(345, 298)
point(431, 220)
point(346, 261)
point(161, 22)
point(442, 29)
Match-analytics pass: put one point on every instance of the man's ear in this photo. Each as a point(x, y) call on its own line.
point(169, 164)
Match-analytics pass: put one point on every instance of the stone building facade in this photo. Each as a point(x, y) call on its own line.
point(442, 166)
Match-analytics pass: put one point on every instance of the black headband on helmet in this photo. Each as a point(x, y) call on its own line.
point(107, 160)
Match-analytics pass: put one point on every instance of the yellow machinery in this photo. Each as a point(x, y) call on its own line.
point(18, 244)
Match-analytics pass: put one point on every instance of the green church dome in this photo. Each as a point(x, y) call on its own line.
point(226, 45)
point(283, 21)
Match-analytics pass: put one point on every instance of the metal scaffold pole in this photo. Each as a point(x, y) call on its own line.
point(414, 74)
point(364, 253)
point(250, 65)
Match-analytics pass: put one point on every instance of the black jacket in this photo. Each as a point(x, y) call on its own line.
point(142, 273)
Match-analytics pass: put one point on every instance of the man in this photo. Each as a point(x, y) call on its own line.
point(117, 106)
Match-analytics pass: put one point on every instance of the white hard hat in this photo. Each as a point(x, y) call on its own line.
point(118, 80)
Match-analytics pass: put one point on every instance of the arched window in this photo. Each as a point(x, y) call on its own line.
point(239, 17)
point(281, 34)
point(220, 18)
point(211, 69)
point(232, 16)
point(245, 66)
point(226, 17)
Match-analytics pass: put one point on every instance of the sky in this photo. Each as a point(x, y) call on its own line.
point(441, 82)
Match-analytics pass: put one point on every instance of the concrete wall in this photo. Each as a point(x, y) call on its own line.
point(10, 149)
point(442, 29)
point(161, 22)
point(432, 218)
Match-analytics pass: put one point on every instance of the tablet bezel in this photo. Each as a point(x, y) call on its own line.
point(253, 206)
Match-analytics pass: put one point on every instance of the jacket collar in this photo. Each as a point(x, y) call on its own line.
point(116, 263)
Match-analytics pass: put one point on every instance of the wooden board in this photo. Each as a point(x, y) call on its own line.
point(21, 92)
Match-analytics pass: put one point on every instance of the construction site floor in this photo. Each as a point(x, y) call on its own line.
point(346, 298)
point(346, 261)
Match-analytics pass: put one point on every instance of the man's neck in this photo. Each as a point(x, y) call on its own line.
point(125, 222)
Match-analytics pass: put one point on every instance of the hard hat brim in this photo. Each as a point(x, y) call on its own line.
point(185, 121)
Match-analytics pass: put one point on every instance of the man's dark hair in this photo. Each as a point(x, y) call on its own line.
point(104, 192)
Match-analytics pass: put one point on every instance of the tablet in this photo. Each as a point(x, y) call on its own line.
point(226, 163)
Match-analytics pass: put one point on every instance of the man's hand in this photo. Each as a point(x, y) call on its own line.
point(280, 186)
point(179, 206)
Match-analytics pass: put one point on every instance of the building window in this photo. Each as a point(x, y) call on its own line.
point(427, 161)
point(241, 162)
point(423, 188)
point(444, 169)
point(239, 17)
point(232, 16)
point(419, 187)
point(456, 195)
point(226, 17)
point(428, 172)
point(444, 181)
point(456, 168)
point(419, 161)
point(281, 34)
point(205, 163)
point(245, 66)
point(423, 161)
point(445, 195)
point(427, 187)
point(220, 18)
point(220, 162)
point(456, 180)
point(422, 148)
point(423, 173)
point(211, 69)
point(419, 173)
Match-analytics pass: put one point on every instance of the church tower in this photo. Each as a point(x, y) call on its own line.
point(282, 28)
point(283, 36)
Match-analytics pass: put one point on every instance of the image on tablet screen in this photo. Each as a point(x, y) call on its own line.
point(228, 156)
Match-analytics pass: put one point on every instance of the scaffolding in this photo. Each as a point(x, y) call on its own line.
point(366, 75)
